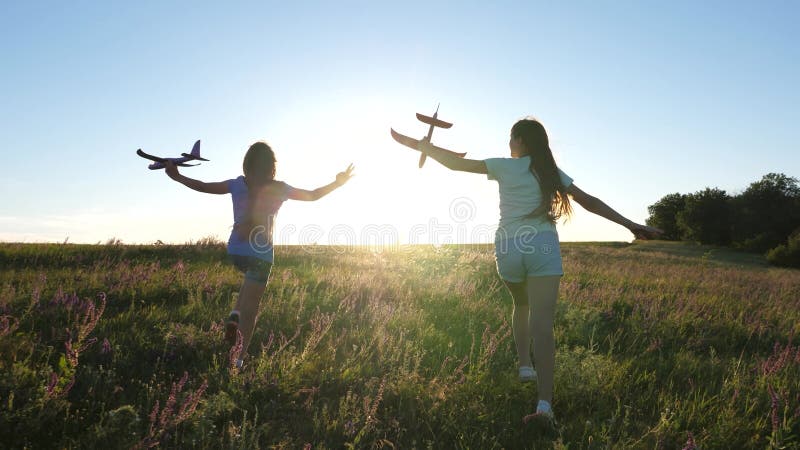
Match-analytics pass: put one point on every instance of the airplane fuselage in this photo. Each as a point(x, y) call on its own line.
point(159, 165)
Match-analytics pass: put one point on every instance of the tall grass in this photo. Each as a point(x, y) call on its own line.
point(659, 346)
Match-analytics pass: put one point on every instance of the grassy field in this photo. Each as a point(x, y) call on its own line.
point(658, 346)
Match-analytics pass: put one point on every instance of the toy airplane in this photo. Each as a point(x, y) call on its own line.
point(159, 162)
point(433, 122)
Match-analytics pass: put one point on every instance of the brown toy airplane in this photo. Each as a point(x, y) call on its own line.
point(433, 122)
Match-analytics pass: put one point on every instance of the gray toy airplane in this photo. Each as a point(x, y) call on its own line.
point(159, 162)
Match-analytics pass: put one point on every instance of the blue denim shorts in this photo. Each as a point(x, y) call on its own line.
point(254, 269)
point(529, 255)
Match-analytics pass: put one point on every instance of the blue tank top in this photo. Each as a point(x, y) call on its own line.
point(258, 241)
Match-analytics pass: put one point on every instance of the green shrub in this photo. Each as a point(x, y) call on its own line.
point(786, 255)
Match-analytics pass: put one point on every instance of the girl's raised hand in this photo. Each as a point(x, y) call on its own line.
point(171, 169)
point(344, 177)
point(645, 232)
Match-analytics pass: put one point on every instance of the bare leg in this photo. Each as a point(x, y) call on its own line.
point(247, 304)
point(542, 295)
point(519, 322)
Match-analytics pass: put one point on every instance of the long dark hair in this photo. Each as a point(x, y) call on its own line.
point(555, 202)
point(259, 170)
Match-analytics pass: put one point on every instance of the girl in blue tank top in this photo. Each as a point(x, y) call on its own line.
point(257, 196)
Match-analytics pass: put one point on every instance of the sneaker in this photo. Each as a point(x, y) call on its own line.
point(543, 419)
point(526, 373)
point(231, 328)
point(544, 409)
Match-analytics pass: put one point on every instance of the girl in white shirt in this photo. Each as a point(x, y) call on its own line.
point(534, 194)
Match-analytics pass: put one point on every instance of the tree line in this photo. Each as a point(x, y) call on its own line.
point(764, 218)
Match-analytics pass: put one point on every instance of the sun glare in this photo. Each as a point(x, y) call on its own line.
point(390, 200)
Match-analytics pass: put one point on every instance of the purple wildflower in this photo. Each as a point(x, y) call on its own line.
point(236, 349)
point(162, 424)
point(690, 445)
point(6, 325)
point(774, 410)
point(153, 416)
point(106, 348)
point(51, 386)
point(350, 428)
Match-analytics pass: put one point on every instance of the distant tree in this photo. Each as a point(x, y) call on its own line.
point(706, 217)
point(664, 215)
point(766, 213)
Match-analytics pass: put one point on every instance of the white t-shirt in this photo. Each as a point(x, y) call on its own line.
point(519, 196)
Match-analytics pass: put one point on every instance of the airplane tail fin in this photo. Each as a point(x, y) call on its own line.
point(432, 121)
point(195, 154)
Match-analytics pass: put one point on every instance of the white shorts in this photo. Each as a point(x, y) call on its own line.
point(529, 255)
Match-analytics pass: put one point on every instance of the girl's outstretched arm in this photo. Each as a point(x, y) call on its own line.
point(450, 161)
point(220, 187)
point(597, 206)
point(318, 193)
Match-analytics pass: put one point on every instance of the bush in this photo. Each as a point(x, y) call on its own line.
point(664, 215)
point(759, 243)
point(760, 218)
point(786, 255)
point(765, 214)
point(706, 217)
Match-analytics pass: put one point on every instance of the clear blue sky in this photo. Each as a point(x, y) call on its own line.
point(640, 98)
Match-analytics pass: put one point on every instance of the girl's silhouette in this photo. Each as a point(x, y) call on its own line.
point(257, 197)
point(534, 194)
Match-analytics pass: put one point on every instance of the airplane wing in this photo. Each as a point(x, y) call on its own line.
point(412, 143)
point(150, 157)
point(187, 165)
point(432, 121)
